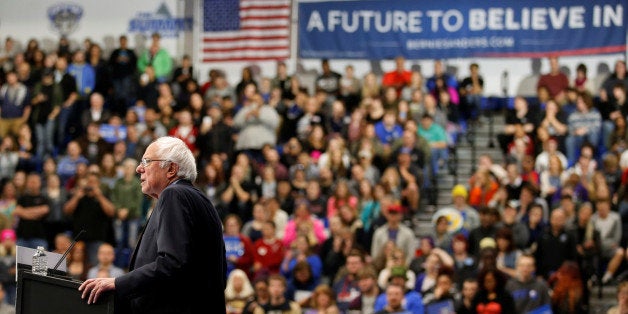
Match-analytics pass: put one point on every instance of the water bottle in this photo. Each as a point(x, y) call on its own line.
point(40, 262)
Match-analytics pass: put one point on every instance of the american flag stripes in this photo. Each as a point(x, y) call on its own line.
point(245, 30)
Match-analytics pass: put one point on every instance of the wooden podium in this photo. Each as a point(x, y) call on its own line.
point(50, 294)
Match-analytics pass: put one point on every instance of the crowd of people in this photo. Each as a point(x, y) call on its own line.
point(317, 188)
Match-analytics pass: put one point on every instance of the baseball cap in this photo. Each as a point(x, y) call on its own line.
point(395, 208)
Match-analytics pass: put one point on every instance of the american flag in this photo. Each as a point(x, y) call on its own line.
point(245, 30)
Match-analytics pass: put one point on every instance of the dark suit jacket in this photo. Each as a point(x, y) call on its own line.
point(179, 264)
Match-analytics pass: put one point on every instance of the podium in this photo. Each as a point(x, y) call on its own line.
point(50, 294)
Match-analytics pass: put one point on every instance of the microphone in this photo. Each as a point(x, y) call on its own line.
point(69, 249)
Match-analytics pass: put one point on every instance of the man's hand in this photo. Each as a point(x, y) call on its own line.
point(94, 288)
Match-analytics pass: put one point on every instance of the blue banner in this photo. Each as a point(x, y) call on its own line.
point(378, 29)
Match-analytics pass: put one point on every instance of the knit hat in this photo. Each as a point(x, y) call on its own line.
point(459, 190)
point(398, 271)
point(7, 234)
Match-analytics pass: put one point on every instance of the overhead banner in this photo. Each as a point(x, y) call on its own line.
point(380, 29)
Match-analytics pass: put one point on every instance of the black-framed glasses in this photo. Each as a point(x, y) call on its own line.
point(146, 161)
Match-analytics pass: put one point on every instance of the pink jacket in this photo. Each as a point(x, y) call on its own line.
point(291, 231)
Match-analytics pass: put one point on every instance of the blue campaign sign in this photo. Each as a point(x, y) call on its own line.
point(381, 29)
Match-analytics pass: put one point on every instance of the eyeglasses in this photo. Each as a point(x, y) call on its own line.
point(145, 161)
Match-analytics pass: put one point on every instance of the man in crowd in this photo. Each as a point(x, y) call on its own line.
point(529, 292)
point(14, 105)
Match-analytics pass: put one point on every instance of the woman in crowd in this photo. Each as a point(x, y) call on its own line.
point(8, 202)
point(567, 290)
point(77, 262)
point(437, 259)
point(238, 291)
point(323, 301)
point(108, 170)
point(301, 251)
point(552, 178)
point(341, 196)
point(507, 253)
point(397, 258)
point(301, 283)
point(492, 297)
point(305, 224)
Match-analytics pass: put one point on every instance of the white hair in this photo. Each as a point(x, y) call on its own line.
point(623, 160)
point(247, 288)
point(174, 150)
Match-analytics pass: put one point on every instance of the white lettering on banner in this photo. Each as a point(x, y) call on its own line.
point(315, 22)
point(610, 17)
point(532, 18)
point(460, 43)
point(510, 20)
point(477, 19)
point(491, 19)
point(538, 19)
point(452, 20)
point(576, 19)
point(334, 19)
point(382, 22)
point(458, 20)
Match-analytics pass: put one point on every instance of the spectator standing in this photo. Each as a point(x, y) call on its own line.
point(555, 81)
point(122, 64)
point(32, 208)
point(127, 198)
point(70, 95)
point(471, 89)
point(399, 77)
point(608, 224)
point(47, 101)
point(585, 125)
point(14, 105)
point(257, 122)
point(328, 82)
point(83, 73)
point(56, 220)
point(156, 57)
point(91, 211)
